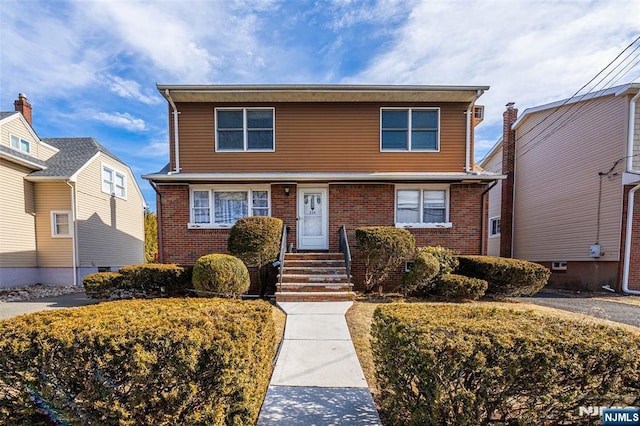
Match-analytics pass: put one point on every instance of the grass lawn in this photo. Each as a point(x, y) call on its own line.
point(279, 318)
point(360, 316)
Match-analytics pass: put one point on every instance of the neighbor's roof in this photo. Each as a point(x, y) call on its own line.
point(74, 153)
point(320, 93)
point(625, 89)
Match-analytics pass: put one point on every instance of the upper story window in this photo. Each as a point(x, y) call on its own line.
point(422, 207)
point(20, 144)
point(245, 129)
point(114, 182)
point(410, 129)
point(222, 207)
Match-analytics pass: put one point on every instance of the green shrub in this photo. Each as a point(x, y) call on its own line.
point(506, 277)
point(220, 274)
point(475, 365)
point(101, 284)
point(447, 258)
point(384, 248)
point(256, 240)
point(163, 361)
point(459, 287)
point(420, 277)
point(155, 279)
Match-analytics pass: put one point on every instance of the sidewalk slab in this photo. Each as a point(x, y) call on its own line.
point(321, 327)
point(294, 406)
point(320, 308)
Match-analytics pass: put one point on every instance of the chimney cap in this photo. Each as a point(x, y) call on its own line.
point(22, 95)
point(510, 104)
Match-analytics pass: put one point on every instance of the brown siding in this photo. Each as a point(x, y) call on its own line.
point(341, 137)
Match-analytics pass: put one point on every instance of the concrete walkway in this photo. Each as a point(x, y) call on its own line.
point(13, 309)
point(317, 379)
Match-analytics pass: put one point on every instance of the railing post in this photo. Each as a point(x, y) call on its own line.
point(283, 249)
point(343, 243)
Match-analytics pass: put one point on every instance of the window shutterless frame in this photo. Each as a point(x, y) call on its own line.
point(113, 181)
point(245, 129)
point(494, 226)
point(411, 129)
point(206, 206)
point(20, 144)
point(421, 206)
point(61, 224)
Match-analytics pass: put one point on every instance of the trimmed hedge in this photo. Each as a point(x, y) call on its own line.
point(220, 274)
point(459, 287)
point(101, 284)
point(163, 361)
point(506, 277)
point(447, 258)
point(140, 281)
point(476, 365)
point(420, 276)
point(384, 248)
point(256, 239)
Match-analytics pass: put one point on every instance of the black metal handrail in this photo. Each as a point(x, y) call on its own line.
point(283, 250)
point(344, 248)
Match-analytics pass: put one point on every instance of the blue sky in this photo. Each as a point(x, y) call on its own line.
point(89, 67)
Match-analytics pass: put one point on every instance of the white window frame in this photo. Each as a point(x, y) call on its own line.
point(409, 128)
point(245, 130)
point(20, 142)
point(422, 188)
point(559, 265)
point(115, 173)
point(54, 222)
point(491, 221)
point(249, 189)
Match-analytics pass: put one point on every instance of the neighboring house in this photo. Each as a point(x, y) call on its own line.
point(570, 199)
point(318, 157)
point(66, 204)
point(492, 162)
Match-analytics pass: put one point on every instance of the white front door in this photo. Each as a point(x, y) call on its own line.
point(313, 219)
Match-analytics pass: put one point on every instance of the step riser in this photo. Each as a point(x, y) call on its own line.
point(314, 277)
point(314, 263)
point(314, 298)
point(322, 279)
point(313, 256)
point(313, 288)
point(313, 271)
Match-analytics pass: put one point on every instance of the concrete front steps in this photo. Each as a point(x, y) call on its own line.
point(314, 277)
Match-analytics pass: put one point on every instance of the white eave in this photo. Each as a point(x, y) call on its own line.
point(322, 93)
point(318, 176)
point(21, 161)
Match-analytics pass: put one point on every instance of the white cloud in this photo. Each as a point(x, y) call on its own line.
point(123, 120)
point(130, 89)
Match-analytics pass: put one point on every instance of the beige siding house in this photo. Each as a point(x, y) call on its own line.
point(492, 162)
point(575, 170)
point(67, 204)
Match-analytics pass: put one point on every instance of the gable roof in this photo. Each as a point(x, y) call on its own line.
point(73, 155)
point(5, 114)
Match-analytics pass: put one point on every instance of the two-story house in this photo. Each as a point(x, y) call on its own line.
point(570, 198)
point(68, 206)
point(319, 157)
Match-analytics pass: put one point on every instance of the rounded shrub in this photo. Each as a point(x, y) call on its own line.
point(459, 287)
point(470, 365)
point(383, 249)
point(506, 277)
point(220, 274)
point(101, 285)
point(420, 277)
point(256, 239)
point(447, 258)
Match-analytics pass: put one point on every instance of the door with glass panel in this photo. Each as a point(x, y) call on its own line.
point(313, 219)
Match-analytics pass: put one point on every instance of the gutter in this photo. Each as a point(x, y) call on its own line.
point(627, 244)
point(176, 137)
point(632, 114)
point(73, 232)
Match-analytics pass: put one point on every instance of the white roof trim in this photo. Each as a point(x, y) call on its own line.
point(491, 152)
point(316, 176)
point(22, 161)
point(29, 129)
point(615, 91)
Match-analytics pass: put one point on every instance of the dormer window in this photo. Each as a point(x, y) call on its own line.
point(410, 129)
point(244, 129)
point(20, 144)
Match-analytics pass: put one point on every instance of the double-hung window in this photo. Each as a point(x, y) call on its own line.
point(61, 224)
point(494, 226)
point(222, 207)
point(409, 129)
point(244, 129)
point(422, 207)
point(114, 182)
point(20, 144)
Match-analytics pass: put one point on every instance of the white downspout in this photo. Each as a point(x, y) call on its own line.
point(73, 232)
point(467, 166)
point(632, 118)
point(627, 243)
point(176, 137)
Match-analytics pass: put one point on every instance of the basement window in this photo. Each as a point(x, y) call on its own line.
point(559, 266)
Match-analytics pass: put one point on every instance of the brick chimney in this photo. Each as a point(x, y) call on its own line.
point(23, 106)
point(508, 166)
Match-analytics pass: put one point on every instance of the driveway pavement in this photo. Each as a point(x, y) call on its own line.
point(613, 311)
point(13, 309)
